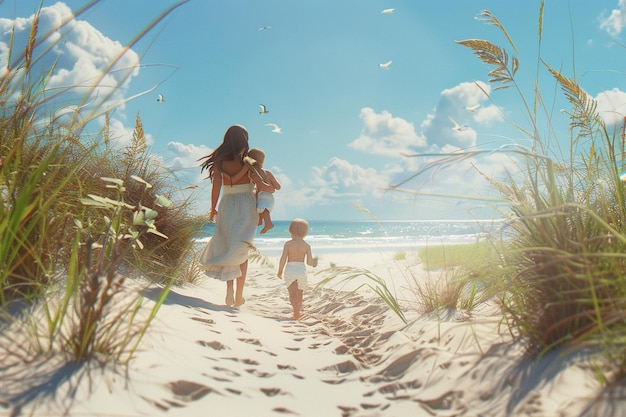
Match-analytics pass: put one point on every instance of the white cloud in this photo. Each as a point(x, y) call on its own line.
point(611, 106)
point(338, 183)
point(615, 21)
point(386, 135)
point(340, 178)
point(185, 156)
point(437, 127)
point(82, 61)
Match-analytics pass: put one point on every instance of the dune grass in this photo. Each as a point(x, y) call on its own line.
point(456, 276)
point(566, 284)
point(560, 277)
point(476, 257)
point(563, 266)
point(78, 212)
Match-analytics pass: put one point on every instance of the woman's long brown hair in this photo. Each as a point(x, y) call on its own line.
point(235, 139)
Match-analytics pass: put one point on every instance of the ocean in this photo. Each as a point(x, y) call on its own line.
point(326, 236)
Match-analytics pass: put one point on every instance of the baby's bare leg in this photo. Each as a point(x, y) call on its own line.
point(293, 299)
point(299, 297)
point(267, 219)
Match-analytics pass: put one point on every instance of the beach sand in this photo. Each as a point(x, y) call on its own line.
point(349, 355)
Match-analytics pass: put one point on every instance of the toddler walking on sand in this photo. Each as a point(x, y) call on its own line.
point(293, 261)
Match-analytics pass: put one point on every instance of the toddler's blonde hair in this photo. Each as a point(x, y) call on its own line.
point(299, 227)
point(258, 155)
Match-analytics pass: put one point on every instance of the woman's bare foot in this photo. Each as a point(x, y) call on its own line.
point(230, 298)
point(240, 302)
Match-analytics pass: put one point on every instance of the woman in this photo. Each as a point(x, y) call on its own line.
point(225, 257)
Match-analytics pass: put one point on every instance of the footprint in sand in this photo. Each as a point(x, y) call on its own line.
point(245, 360)
point(188, 390)
point(268, 352)
point(447, 401)
point(251, 341)
point(341, 350)
point(259, 374)
point(394, 388)
point(214, 344)
point(283, 367)
point(226, 370)
point(367, 406)
point(271, 392)
point(347, 410)
point(334, 381)
point(342, 368)
point(203, 320)
point(284, 410)
point(398, 367)
point(220, 379)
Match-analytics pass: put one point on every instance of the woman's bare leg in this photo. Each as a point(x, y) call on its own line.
point(241, 281)
point(230, 297)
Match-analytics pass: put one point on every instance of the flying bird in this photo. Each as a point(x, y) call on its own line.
point(160, 98)
point(388, 11)
point(457, 126)
point(386, 65)
point(263, 109)
point(472, 108)
point(264, 28)
point(275, 126)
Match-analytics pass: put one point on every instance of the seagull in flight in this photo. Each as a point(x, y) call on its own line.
point(264, 28)
point(160, 98)
point(275, 126)
point(386, 65)
point(473, 108)
point(388, 11)
point(263, 109)
point(457, 126)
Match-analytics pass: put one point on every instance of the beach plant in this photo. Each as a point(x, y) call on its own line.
point(568, 217)
point(346, 274)
point(95, 330)
point(159, 259)
point(399, 255)
point(565, 252)
point(455, 277)
point(476, 258)
point(79, 214)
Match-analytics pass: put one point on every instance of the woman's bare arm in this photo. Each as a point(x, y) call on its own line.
point(215, 194)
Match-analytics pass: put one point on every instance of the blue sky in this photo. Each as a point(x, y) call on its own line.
point(347, 124)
